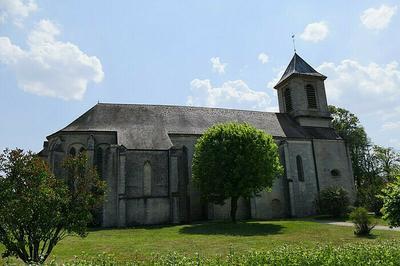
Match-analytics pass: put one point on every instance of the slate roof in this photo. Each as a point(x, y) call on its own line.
point(298, 66)
point(147, 126)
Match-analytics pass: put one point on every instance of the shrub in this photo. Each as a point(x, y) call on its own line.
point(391, 202)
point(362, 221)
point(369, 198)
point(333, 201)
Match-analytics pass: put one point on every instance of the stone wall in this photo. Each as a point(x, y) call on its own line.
point(333, 155)
point(196, 207)
point(156, 186)
point(302, 193)
point(222, 212)
point(146, 205)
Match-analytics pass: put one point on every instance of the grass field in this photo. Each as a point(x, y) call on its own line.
point(209, 239)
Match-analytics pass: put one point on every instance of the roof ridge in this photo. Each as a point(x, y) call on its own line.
point(181, 106)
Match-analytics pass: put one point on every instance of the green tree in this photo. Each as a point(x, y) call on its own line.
point(391, 202)
point(387, 162)
point(234, 160)
point(372, 165)
point(37, 209)
point(348, 126)
point(371, 182)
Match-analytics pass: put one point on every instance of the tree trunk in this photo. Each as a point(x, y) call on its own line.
point(233, 208)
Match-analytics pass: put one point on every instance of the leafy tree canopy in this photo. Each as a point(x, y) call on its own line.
point(234, 160)
point(391, 202)
point(373, 165)
point(37, 209)
point(348, 126)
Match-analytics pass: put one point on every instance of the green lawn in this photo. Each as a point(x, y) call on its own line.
point(210, 238)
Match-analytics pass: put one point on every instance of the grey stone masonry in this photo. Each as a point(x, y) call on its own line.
point(145, 153)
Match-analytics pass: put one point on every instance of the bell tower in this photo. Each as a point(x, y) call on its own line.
point(301, 94)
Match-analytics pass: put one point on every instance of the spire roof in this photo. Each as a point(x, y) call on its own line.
point(298, 66)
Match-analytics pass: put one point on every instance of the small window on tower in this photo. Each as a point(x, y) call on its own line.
point(288, 100)
point(311, 97)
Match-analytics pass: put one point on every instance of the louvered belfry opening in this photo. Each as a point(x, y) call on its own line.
point(288, 100)
point(311, 97)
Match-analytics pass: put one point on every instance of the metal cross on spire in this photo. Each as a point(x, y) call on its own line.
point(294, 43)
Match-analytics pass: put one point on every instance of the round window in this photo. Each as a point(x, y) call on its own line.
point(335, 172)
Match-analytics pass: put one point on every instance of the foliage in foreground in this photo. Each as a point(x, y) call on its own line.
point(348, 126)
point(333, 201)
point(362, 221)
point(380, 253)
point(373, 166)
point(234, 160)
point(37, 209)
point(391, 203)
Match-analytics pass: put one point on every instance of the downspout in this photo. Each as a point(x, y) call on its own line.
point(315, 166)
point(290, 192)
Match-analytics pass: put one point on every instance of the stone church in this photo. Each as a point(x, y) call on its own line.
point(144, 152)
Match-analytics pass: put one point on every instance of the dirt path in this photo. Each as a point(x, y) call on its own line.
point(377, 227)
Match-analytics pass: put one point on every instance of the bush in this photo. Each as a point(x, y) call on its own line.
point(362, 221)
point(368, 197)
point(333, 201)
point(391, 202)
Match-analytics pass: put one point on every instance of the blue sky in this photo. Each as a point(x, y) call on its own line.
point(58, 58)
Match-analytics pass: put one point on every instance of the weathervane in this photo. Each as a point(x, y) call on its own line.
point(294, 43)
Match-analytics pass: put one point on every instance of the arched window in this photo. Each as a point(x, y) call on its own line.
point(288, 100)
point(300, 170)
point(99, 161)
point(72, 152)
point(147, 179)
point(82, 150)
point(311, 97)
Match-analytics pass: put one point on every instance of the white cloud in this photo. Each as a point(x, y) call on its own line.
point(391, 125)
point(315, 32)
point(231, 94)
point(16, 10)
point(369, 80)
point(275, 80)
point(217, 65)
point(371, 91)
point(51, 67)
point(378, 18)
point(352, 76)
point(263, 58)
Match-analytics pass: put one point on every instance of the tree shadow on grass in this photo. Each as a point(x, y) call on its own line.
point(230, 229)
